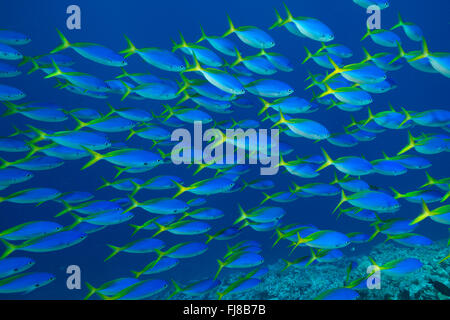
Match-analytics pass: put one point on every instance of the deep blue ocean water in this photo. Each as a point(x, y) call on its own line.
point(155, 23)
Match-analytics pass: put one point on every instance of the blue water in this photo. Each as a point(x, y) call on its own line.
point(154, 24)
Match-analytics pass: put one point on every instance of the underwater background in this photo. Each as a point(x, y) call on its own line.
point(154, 24)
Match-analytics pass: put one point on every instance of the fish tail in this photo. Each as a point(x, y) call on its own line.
point(136, 228)
point(336, 70)
point(313, 257)
point(127, 92)
point(24, 60)
point(367, 55)
point(375, 233)
point(80, 124)
point(182, 44)
point(220, 295)
point(134, 204)
point(424, 53)
point(388, 237)
point(203, 37)
point(55, 73)
point(177, 290)
point(348, 271)
point(238, 60)
point(136, 274)
point(407, 117)
point(77, 221)
point(343, 199)
point(368, 33)
point(400, 22)
point(221, 265)
point(309, 55)
point(335, 179)
point(160, 230)
point(445, 197)
point(231, 27)
point(67, 208)
point(4, 164)
point(92, 291)
point(397, 195)
point(130, 50)
point(200, 167)
point(16, 132)
point(115, 250)
point(186, 84)
point(278, 21)
point(123, 74)
point(112, 110)
point(35, 66)
point(430, 181)
point(10, 248)
point(267, 197)
point(327, 92)
point(64, 43)
point(186, 97)
point(137, 187)
point(246, 184)
point(280, 236)
point(296, 244)
point(281, 121)
point(105, 184)
point(287, 264)
point(169, 110)
point(40, 135)
point(401, 53)
point(288, 13)
point(209, 238)
point(196, 67)
point(372, 261)
point(11, 108)
point(328, 161)
point(411, 144)
point(242, 217)
point(181, 189)
point(370, 116)
point(119, 171)
point(132, 133)
point(34, 149)
point(95, 158)
point(162, 154)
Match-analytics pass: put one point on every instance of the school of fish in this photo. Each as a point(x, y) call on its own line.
point(208, 79)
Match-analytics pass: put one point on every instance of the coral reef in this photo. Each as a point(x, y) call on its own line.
point(431, 282)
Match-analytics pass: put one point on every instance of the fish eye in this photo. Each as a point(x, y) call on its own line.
point(16, 269)
point(37, 285)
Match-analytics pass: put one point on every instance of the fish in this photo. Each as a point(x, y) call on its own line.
point(11, 266)
point(13, 38)
point(250, 35)
point(309, 27)
point(223, 45)
point(25, 282)
point(140, 290)
point(196, 288)
point(399, 267)
point(47, 243)
point(371, 200)
point(30, 230)
point(112, 287)
point(145, 245)
point(91, 51)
